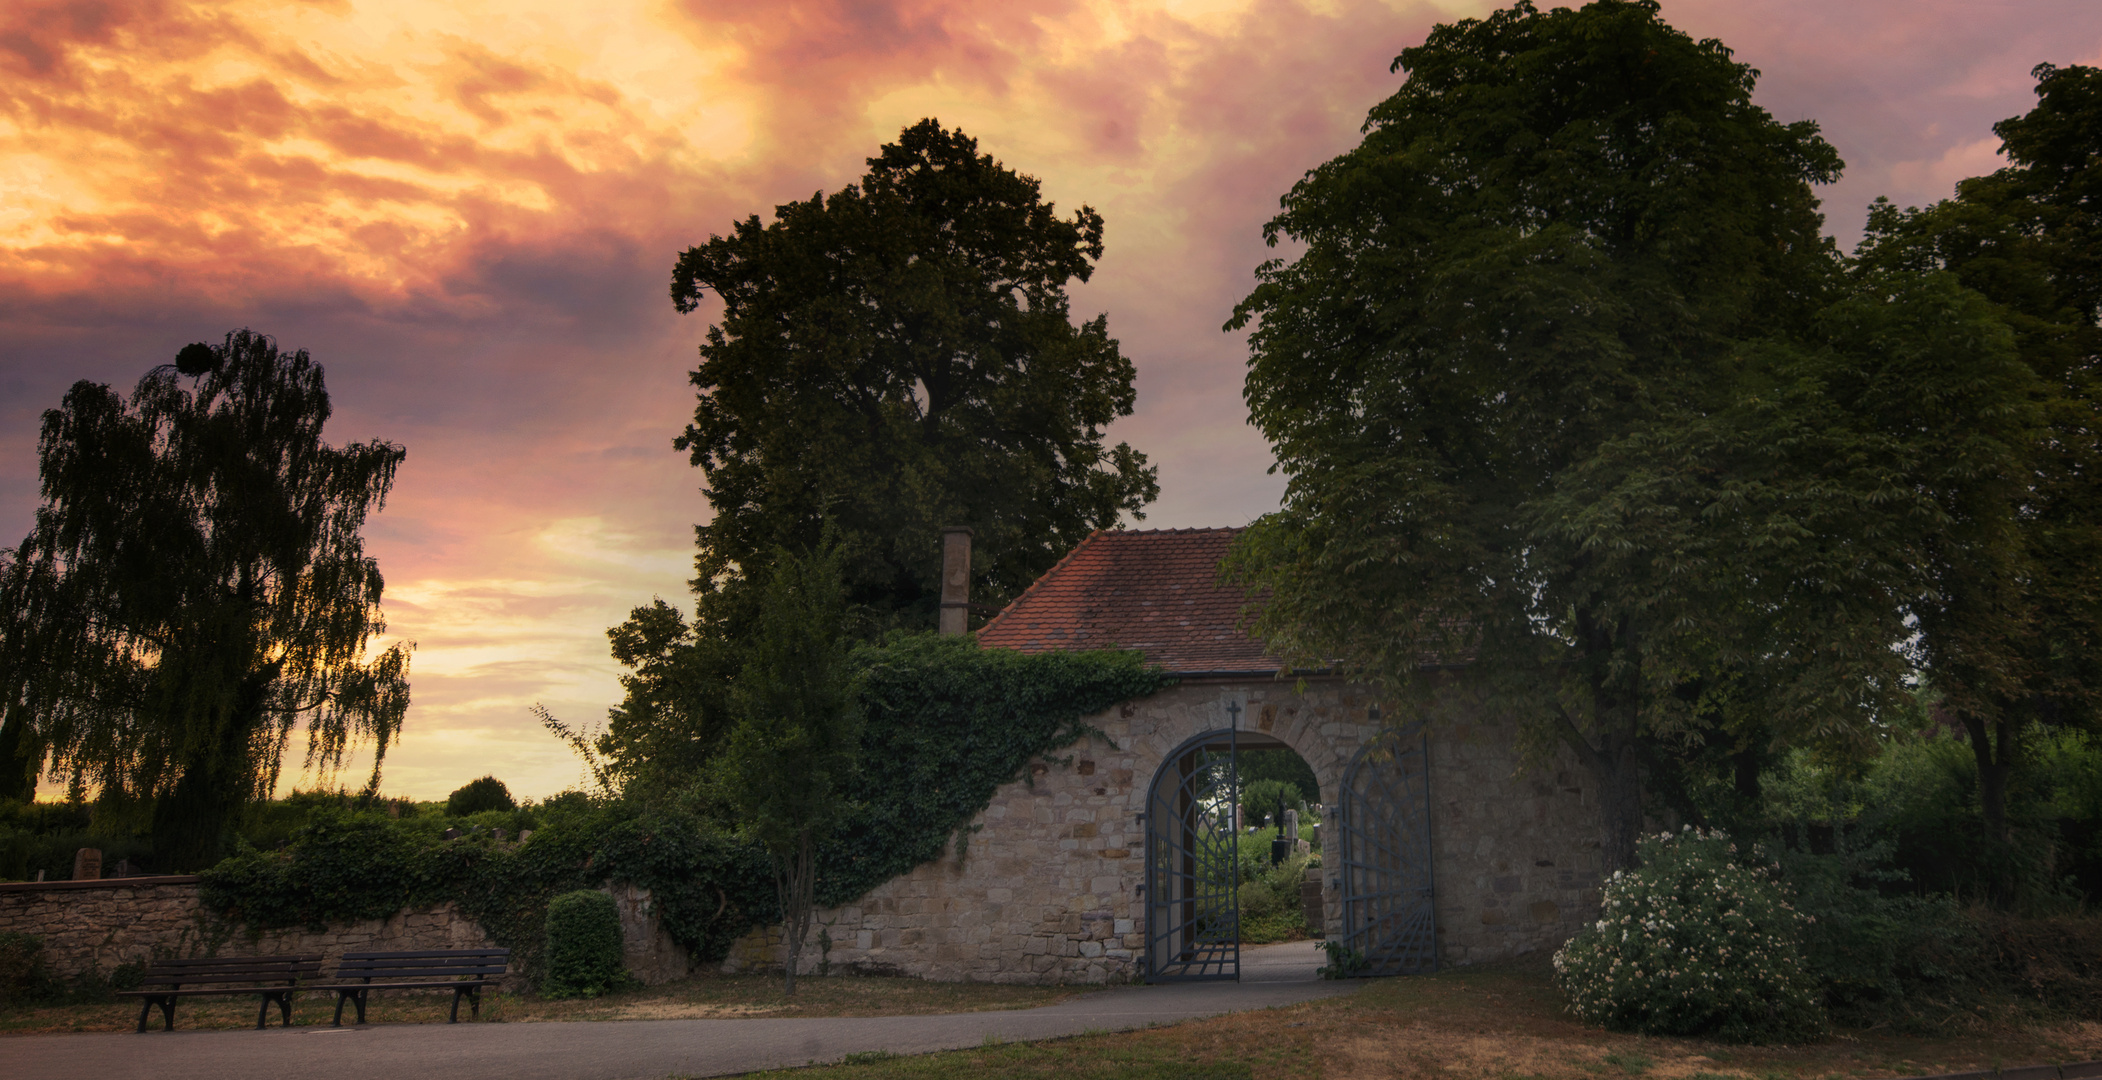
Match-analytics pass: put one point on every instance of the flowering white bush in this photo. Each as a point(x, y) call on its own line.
point(1701, 940)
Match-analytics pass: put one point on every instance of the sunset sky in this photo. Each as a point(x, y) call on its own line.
point(468, 212)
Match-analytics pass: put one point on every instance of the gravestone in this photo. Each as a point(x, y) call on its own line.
point(87, 864)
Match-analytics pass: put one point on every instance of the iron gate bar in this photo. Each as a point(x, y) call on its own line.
point(1386, 882)
point(1193, 918)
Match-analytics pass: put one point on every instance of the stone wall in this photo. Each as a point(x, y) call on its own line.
point(1045, 886)
point(94, 930)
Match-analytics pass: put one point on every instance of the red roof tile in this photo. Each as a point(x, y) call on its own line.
point(1154, 590)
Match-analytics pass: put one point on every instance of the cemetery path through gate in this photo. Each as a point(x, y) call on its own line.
point(1383, 817)
point(1193, 919)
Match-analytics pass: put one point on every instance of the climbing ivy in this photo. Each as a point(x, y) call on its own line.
point(947, 725)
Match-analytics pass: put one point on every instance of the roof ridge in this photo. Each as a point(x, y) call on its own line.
point(1171, 532)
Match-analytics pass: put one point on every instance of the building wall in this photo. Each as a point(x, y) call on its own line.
point(1045, 886)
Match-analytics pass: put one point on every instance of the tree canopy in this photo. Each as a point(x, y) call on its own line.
point(195, 586)
point(1560, 386)
point(898, 357)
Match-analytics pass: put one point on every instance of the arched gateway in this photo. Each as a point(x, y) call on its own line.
point(1104, 864)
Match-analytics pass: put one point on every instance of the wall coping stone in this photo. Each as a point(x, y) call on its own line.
point(100, 883)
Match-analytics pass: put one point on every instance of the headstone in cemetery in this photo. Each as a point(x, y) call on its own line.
point(452, 834)
point(524, 835)
point(87, 864)
point(498, 835)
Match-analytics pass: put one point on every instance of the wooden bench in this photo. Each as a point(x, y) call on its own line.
point(275, 978)
point(463, 971)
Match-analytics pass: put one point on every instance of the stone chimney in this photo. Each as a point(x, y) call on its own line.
point(956, 580)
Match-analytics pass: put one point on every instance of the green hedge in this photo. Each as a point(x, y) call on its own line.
point(583, 946)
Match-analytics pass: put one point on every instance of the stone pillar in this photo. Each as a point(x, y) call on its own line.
point(956, 580)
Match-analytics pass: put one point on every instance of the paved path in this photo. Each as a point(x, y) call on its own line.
point(636, 1049)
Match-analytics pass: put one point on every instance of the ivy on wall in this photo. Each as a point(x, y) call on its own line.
point(947, 725)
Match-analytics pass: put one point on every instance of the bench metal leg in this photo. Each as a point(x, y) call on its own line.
point(354, 997)
point(168, 1013)
point(262, 1016)
point(145, 1010)
point(284, 1007)
point(456, 1006)
point(474, 1002)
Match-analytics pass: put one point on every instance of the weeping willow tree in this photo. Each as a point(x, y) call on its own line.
point(195, 588)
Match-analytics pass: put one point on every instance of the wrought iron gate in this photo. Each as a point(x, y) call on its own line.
point(1193, 920)
point(1384, 819)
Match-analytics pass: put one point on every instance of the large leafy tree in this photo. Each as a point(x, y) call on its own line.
point(890, 359)
point(2013, 637)
point(1557, 385)
point(195, 587)
point(899, 357)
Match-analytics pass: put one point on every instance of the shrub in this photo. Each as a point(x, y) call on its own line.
point(583, 946)
point(488, 793)
point(1699, 941)
point(1270, 906)
point(25, 979)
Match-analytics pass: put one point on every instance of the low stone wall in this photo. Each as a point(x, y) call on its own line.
point(91, 930)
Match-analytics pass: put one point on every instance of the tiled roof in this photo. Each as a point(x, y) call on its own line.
point(1155, 590)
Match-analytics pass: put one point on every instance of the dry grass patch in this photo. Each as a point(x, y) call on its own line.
point(699, 998)
point(1495, 1023)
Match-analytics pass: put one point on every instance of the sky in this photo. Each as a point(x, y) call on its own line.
point(468, 213)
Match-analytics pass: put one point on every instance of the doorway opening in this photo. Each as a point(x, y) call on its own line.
point(1231, 824)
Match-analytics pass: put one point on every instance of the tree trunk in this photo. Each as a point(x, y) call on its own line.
point(189, 823)
point(1618, 778)
point(18, 766)
point(1992, 747)
point(1619, 803)
point(796, 878)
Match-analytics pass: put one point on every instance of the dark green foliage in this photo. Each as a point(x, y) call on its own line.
point(44, 836)
point(1286, 769)
point(675, 706)
point(899, 357)
point(583, 946)
point(784, 770)
point(195, 587)
point(1568, 382)
point(2015, 640)
point(341, 868)
point(487, 793)
point(25, 978)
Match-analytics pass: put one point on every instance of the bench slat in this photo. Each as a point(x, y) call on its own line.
point(222, 974)
point(427, 954)
point(209, 961)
